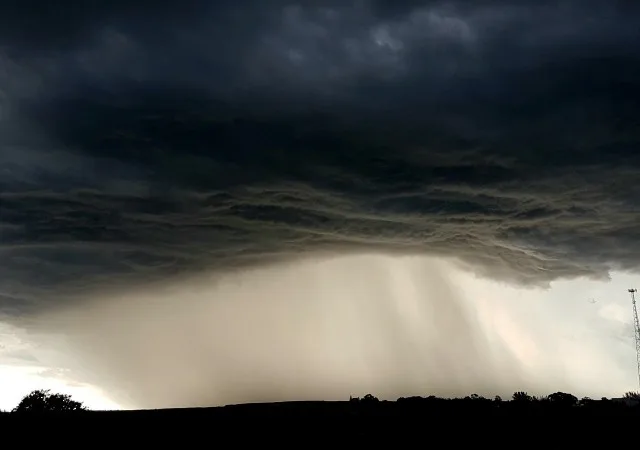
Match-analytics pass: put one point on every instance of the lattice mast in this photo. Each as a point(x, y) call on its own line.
point(636, 329)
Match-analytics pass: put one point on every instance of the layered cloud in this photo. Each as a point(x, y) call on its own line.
point(147, 140)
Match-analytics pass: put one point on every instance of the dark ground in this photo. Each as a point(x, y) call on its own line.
point(418, 421)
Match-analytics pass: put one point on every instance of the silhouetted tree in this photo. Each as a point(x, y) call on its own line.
point(369, 399)
point(44, 401)
point(631, 395)
point(563, 399)
point(521, 396)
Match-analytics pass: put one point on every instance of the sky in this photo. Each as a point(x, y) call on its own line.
point(214, 202)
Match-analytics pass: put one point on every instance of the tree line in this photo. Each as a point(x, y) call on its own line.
point(39, 401)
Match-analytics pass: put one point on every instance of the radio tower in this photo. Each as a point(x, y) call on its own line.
point(636, 328)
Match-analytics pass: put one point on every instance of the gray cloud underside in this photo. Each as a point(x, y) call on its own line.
point(144, 140)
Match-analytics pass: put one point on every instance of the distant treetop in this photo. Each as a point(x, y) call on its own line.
point(44, 401)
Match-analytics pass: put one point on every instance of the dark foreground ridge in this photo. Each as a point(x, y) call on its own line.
point(559, 416)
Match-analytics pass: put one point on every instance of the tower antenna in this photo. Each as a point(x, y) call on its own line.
point(636, 329)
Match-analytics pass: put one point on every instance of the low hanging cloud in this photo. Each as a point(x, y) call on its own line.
point(146, 141)
point(139, 142)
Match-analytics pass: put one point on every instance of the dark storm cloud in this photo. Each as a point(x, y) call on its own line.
point(147, 139)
